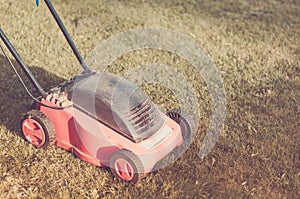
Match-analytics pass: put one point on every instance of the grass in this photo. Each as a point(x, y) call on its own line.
point(256, 48)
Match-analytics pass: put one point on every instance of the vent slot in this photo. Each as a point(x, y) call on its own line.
point(143, 117)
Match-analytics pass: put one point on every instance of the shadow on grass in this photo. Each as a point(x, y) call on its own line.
point(13, 97)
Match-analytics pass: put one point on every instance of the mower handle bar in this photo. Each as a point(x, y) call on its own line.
point(67, 35)
point(24, 67)
point(26, 70)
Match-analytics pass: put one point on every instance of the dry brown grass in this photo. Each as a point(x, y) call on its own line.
point(254, 44)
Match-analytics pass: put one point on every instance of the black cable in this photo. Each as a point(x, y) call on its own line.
point(25, 87)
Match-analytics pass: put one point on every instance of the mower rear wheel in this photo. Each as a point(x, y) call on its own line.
point(37, 129)
point(126, 166)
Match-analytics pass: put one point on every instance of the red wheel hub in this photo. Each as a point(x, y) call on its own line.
point(124, 169)
point(33, 132)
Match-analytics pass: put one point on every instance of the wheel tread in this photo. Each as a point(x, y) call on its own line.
point(132, 158)
point(45, 123)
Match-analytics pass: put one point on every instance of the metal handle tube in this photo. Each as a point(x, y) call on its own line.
point(67, 35)
point(26, 70)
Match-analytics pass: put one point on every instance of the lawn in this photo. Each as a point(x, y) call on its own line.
point(254, 44)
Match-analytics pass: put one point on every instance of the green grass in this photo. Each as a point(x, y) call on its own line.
point(254, 44)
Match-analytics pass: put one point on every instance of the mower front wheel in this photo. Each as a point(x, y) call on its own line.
point(37, 129)
point(126, 166)
point(180, 117)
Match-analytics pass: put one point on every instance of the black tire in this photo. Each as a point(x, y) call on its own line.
point(179, 117)
point(46, 125)
point(136, 169)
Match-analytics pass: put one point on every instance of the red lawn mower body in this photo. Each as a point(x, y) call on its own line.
point(143, 133)
point(95, 141)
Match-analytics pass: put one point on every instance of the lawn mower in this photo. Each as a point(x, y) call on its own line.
point(102, 118)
